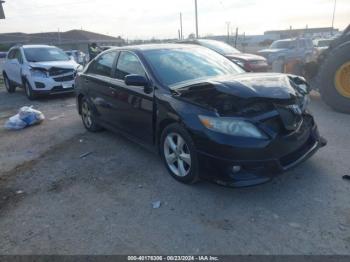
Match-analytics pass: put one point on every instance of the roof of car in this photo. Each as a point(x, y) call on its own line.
point(37, 46)
point(146, 47)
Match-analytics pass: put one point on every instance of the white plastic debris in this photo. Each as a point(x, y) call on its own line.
point(27, 116)
point(156, 204)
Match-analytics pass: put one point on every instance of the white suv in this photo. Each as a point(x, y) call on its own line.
point(40, 69)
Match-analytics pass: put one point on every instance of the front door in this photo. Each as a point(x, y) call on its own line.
point(133, 107)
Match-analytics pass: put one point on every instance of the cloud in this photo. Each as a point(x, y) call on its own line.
point(160, 18)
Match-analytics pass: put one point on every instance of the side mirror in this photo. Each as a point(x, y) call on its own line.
point(136, 80)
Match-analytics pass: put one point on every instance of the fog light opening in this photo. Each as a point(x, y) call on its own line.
point(236, 169)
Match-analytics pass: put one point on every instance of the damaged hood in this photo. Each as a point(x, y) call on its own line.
point(70, 64)
point(238, 94)
point(247, 85)
point(245, 57)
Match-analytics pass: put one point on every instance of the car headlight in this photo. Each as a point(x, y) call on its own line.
point(38, 73)
point(232, 126)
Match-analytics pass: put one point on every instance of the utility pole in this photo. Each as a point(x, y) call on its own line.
point(181, 32)
point(2, 13)
point(335, 6)
point(244, 44)
point(59, 36)
point(236, 37)
point(228, 32)
point(196, 13)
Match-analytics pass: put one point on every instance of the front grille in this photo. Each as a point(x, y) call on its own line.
point(59, 71)
point(274, 124)
point(60, 89)
point(291, 116)
point(64, 78)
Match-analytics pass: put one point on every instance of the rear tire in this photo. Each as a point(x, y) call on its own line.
point(11, 88)
point(329, 87)
point(179, 154)
point(87, 116)
point(28, 90)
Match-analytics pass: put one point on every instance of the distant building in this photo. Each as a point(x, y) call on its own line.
point(73, 39)
point(305, 32)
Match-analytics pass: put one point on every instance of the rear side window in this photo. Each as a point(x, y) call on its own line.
point(103, 65)
point(11, 54)
point(18, 56)
point(129, 63)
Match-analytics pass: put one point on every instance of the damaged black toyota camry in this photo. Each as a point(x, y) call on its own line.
point(205, 116)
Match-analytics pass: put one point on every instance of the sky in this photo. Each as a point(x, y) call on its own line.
point(141, 19)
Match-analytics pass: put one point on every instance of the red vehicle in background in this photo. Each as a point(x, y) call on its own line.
point(249, 62)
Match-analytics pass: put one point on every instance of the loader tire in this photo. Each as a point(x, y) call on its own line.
point(334, 79)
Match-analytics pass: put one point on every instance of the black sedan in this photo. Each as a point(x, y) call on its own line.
point(203, 114)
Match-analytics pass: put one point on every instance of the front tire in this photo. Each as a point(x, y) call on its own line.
point(88, 117)
point(8, 85)
point(179, 154)
point(28, 90)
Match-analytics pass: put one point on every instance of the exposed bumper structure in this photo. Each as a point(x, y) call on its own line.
point(54, 84)
point(249, 163)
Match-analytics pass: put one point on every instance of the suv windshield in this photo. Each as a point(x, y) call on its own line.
point(289, 44)
point(173, 66)
point(44, 54)
point(220, 47)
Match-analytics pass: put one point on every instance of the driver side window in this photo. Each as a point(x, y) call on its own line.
point(128, 63)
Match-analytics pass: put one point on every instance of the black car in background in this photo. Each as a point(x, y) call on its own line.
point(250, 62)
point(201, 112)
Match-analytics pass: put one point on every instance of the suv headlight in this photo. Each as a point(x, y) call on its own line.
point(232, 126)
point(38, 73)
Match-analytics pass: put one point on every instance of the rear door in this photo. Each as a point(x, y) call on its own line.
point(134, 108)
point(97, 80)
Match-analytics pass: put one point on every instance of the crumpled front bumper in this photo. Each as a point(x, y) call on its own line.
point(260, 164)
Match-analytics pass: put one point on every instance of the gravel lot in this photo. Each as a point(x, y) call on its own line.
point(53, 202)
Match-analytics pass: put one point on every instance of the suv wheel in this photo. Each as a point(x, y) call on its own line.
point(28, 90)
point(179, 154)
point(9, 86)
point(88, 117)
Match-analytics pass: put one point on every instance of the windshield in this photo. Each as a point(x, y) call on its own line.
point(173, 66)
point(220, 47)
point(283, 44)
point(42, 54)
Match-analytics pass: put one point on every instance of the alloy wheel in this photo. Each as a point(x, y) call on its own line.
point(177, 154)
point(86, 114)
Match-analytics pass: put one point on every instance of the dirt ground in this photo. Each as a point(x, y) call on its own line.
point(54, 202)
